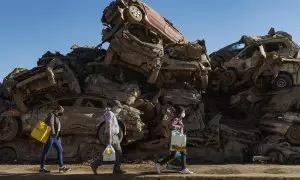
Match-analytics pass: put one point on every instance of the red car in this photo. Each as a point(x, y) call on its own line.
point(119, 12)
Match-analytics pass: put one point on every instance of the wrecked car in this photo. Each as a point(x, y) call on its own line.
point(53, 80)
point(76, 149)
point(98, 85)
point(238, 62)
point(284, 124)
point(258, 104)
point(119, 12)
point(133, 47)
point(275, 149)
point(83, 116)
point(185, 63)
point(274, 41)
point(144, 53)
point(77, 60)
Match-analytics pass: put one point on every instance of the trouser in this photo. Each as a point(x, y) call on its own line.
point(47, 147)
point(172, 156)
point(116, 144)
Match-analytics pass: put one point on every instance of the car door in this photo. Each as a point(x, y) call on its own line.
point(79, 119)
point(242, 62)
point(35, 114)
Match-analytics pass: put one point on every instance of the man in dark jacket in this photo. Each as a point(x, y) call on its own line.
point(54, 122)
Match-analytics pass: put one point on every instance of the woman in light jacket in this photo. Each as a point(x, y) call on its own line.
point(176, 124)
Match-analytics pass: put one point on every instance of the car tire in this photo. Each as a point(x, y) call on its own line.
point(133, 14)
point(230, 77)
point(101, 136)
point(9, 128)
point(276, 156)
point(282, 81)
point(7, 155)
point(293, 134)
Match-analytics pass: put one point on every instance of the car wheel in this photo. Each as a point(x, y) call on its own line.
point(293, 134)
point(102, 137)
point(134, 14)
point(282, 81)
point(7, 155)
point(9, 128)
point(230, 77)
point(276, 156)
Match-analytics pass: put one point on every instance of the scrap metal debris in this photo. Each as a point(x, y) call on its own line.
point(242, 100)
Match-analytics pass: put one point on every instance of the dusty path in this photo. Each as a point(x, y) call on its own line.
point(146, 171)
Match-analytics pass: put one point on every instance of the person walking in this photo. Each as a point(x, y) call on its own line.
point(111, 137)
point(176, 124)
point(53, 121)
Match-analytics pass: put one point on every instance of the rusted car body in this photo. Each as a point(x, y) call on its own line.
point(55, 78)
point(242, 60)
point(276, 102)
point(131, 48)
point(275, 149)
point(119, 12)
point(83, 116)
point(76, 149)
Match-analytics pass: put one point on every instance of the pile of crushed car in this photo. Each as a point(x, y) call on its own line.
point(241, 101)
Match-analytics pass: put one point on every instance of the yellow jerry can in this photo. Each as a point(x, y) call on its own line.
point(41, 132)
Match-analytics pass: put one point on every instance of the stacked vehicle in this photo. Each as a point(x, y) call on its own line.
point(240, 101)
point(261, 74)
point(136, 68)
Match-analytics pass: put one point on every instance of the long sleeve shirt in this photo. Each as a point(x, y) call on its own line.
point(111, 122)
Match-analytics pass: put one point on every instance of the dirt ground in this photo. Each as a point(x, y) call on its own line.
point(146, 171)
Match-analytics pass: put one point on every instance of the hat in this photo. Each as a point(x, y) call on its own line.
point(117, 103)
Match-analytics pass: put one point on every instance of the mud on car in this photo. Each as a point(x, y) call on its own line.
point(275, 149)
point(76, 149)
point(134, 46)
point(237, 63)
point(119, 12)
point(54, 79)
point(83, 116)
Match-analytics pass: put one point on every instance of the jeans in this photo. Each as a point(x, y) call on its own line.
point(116, 144)
point(172, 156)
point(47, 147)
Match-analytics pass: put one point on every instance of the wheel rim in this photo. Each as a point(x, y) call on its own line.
point(281, 83)
point(293, 134)
point(135, 12)
point(230, 77)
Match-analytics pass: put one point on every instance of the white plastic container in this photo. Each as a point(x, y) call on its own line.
point(109, 154)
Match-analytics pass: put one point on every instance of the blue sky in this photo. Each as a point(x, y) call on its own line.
point(30, 28)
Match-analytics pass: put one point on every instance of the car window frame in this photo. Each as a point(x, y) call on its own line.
point(284, 41)
point(245, 49)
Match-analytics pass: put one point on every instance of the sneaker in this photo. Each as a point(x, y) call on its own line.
point(64, 169)
point(94, 169)
point(43, 170)
point(186, 171)
point(157, 168)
